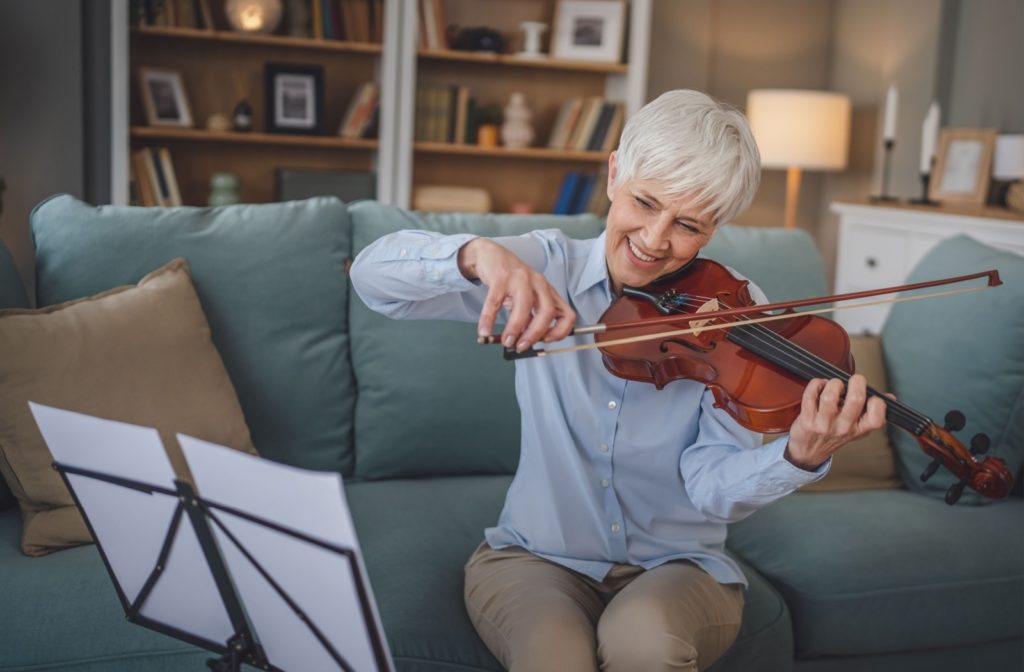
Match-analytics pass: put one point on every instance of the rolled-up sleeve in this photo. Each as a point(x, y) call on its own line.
point(415, 275)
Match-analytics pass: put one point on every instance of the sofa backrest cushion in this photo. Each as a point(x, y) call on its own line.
point(431, 401)
point(12, 295)
point(271, 280)
point(784, 263)
point(960, 352)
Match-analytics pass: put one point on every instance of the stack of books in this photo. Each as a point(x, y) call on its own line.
point(176, 14)
point(433, 25)
point(348, 20)
point(153, 179)
point(445, 114)
point(360, 120)
point(587, 125)
point(583, 193)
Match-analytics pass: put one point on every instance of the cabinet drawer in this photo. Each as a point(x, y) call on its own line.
point(870, 257)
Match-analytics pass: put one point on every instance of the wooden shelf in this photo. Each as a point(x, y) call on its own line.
point(489, 58)
point(963, 209)
point(198, 135)
point(540, 153)
point(228, 37)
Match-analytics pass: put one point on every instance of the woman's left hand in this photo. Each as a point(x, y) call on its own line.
point(828, 420)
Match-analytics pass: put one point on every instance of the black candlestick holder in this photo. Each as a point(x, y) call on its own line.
point(884, 196)
point(924, 200)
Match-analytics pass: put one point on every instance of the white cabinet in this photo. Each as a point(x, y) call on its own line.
point(879, 245)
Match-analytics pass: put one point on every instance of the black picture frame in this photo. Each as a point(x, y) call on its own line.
point(294, 98)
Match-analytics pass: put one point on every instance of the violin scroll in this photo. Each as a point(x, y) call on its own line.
point(988, 476)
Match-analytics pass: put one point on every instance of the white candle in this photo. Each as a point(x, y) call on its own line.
point(891, 101)
point(929, 134)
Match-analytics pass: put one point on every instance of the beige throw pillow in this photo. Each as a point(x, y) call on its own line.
point(139, 354)
point(868, 463)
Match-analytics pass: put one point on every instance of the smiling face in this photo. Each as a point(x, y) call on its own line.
point(650, 233)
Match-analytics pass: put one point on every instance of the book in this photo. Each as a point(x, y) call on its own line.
point(585, 124)
point(170, 178)
point(599, 203)
point(585, 189)
point(604, 120)
point(142, 178)
point(611, 138)
point(566, 193)
point(564, 123)
point(162, 189)
point(461, 115)
point(360, 110)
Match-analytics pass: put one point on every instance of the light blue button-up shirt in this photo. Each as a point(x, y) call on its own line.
point(610, 471)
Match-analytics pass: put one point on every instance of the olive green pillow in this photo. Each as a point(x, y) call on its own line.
point(868, 463)
point(140, 354)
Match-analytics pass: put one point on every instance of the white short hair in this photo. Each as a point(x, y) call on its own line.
point(693, 145)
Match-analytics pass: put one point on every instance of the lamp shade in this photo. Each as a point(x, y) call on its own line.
point(1008, 162)
point(800, 129)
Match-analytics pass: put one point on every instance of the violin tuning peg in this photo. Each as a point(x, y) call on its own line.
point(954, 421)
point(954, 492)
point(931, 469)
point(980, 444)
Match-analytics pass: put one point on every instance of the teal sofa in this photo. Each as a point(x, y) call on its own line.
point(869, 580)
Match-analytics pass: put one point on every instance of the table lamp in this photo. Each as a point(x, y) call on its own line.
point(799, 130)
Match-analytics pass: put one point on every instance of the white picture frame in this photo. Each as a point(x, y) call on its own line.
point(164, 98)
point(589, 30)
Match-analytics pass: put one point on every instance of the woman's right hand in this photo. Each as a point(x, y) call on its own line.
point(535, 309)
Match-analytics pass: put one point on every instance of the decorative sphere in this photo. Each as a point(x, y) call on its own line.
point(253, 16)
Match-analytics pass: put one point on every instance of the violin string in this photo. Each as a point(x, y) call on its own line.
point(810, 365)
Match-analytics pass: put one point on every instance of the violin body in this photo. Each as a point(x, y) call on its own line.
point(760, 395)
point(758, 370)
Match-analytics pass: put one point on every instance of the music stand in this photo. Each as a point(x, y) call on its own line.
point(268, 575)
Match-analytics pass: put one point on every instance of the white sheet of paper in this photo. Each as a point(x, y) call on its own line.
point(130, 525)
point(318, 580)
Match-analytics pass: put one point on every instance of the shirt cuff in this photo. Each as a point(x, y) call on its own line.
point(439, 261)
point(783, 472)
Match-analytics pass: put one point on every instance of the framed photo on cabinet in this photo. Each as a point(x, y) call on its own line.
point(163, 98)
point(589, 30)
point(294, 98)
point(963, 165)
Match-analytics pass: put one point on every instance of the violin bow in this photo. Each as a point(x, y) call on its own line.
point(686, 318)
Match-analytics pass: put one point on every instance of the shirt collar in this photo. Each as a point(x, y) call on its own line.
point(595, 269)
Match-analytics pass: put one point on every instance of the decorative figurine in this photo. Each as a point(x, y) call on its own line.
point(223, 189)
point(241, 118)
point(517, 132)
point(532, 30)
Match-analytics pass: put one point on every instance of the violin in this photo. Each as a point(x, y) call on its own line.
point(701, 324)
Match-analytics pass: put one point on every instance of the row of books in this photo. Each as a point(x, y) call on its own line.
point(362, 116)
point(153, 179)
point(582, 192)
point(349, 20)
point(587, 124)
point(433, 25)
point(445, 114)
point(176, 14)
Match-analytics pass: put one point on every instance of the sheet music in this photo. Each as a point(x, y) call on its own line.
point(321, 582)
point(130, 526)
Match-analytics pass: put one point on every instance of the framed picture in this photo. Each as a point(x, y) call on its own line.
point(294, 98)
point(163, 97)
point(589, 30)
point(962, 166)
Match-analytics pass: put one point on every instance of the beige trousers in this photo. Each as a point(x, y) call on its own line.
point(537, 616)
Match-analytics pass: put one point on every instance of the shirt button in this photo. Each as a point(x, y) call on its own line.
point(403, 253)
point(615, 527)
point(604, 447)
point(612, 405)
point(604, 483)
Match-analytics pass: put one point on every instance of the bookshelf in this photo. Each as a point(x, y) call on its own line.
point(220, 67)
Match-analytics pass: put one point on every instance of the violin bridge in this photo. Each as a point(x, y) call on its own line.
point(709, 306)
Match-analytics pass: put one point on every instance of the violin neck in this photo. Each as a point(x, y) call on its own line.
point(802, 363)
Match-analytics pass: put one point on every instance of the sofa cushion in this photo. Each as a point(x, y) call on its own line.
point(138, 354)
point(784, 263)
point(417, 535)
point(61, 612)
point(973, 361)
point(431, 401)
point(869, 462)
point(12, 295)
point(272, 283)
point(889, 570)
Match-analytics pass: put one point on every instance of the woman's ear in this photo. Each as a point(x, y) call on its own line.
point(611, 176)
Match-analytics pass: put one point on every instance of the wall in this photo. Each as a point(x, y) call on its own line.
point(40, 112)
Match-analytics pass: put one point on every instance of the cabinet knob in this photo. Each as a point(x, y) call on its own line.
point(871, 262)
